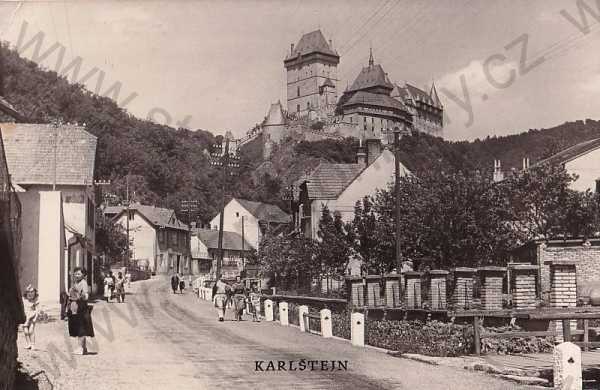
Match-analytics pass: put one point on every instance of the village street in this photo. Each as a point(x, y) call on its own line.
point(160, 340)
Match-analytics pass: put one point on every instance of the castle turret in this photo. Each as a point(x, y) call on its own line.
point(311, 67)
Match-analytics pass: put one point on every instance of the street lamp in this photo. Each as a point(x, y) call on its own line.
point(398, 133)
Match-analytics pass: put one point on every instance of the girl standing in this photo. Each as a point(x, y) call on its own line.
point(79, 313)
point(30, 303)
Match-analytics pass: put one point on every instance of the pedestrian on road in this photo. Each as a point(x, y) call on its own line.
point(219, 296)
point(255, 304)
point(79, 312)
point(108, 282)
point(30, 303)
point(239, 298)
point(181, 283)
point(112, 286)
point(120, 287)
point(128, 279)
point(174, 283)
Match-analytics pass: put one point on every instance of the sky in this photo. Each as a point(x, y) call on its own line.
point(500, 67)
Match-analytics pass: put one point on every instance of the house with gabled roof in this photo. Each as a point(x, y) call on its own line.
point(583, 160)
point(158, 240)
point(53, 165)
point(205, 252)
point(252, 219)
point(340, 186)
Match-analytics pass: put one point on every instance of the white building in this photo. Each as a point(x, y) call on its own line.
point(53, 166)
point(158, 239)
point(254, 218)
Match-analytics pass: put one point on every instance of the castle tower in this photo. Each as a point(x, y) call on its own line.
point(311, 68)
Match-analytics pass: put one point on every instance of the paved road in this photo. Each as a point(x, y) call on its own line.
point(158, 340)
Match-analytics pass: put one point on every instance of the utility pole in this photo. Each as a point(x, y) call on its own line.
point(55, 125)
point(191, 208)
point(128, 216)
point(222, 157)
point(397, 134)
point(243, 241)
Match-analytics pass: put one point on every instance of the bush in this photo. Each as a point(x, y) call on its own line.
point(433, 338)
point(340, 323)
point(505, 345)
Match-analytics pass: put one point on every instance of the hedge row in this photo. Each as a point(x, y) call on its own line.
point(433, 338)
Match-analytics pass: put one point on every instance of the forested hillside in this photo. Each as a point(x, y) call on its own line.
point(167, 165)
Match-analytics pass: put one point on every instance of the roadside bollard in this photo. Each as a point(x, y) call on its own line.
point(357, 329)
point(326, 330)
point(567, 367)
point(301, 319)
point(283, 314)
point(268, 310)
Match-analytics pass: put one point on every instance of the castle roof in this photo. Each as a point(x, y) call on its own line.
point(312, 42)
point(370, 77)
point(364, 98)
point(410, 92)
point(30, 153)
point(275, 115)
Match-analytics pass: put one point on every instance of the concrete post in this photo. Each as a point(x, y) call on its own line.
point(437, 289)
point(302, 310)
point(268, 310)
point(326, 323)
point(491, 287)
point(563, 291)
point(373, 290)
point(524, 285)
point(356, 288)
point(567, 367)
point(462, 298)
point(357, 329)
point(412, 289)
point(283, 314)
point(392, 290)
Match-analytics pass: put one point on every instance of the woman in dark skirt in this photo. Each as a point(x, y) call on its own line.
point(78, 312)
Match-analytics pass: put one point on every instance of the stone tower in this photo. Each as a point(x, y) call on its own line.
point(311, 68)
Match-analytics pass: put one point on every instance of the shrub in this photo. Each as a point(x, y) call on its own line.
point(510, 345)
point(340, 323)
point(433, 338)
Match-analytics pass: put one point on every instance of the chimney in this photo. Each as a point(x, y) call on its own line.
point(292, 48)
point(525, 163)
point(498, 174)
point(361, 156)
point(331, 44)
point(373, 150)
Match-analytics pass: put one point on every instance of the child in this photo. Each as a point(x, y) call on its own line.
point(181, 283)
point(255, 305)
point(30, 303)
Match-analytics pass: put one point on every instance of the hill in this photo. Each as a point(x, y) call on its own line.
point(164, 165)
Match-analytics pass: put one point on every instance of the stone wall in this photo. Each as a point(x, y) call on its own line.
point(586, 257)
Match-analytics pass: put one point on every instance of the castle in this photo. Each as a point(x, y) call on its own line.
point(371, 108)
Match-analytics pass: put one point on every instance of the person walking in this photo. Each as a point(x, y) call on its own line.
point(174, 283)
point(30, 303)
point(255, 304)
point(239, 298)
point(181, 283)
point(79, 312)
point(120, 287)
point(108, 282)
point(220, 292)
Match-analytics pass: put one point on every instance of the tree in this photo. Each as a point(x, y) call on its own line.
point(334, 247)
point(111, 239)
point(290, 262)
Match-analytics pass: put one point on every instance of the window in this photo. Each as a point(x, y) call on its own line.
point(297, 108)
point(298, 91)
point(237, 214)
point(308, 105)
